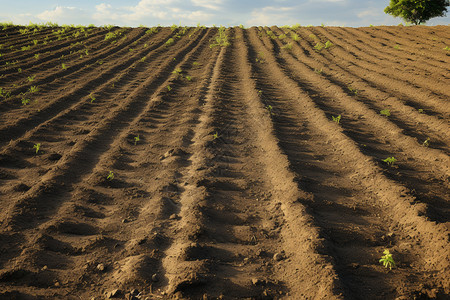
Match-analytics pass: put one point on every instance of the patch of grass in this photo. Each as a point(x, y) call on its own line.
point(385, 112)
point(221, 39)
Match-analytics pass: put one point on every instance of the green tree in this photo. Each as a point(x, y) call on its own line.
point(417, 11)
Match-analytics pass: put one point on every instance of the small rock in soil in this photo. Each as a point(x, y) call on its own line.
point(101, 267)
point(278, 256)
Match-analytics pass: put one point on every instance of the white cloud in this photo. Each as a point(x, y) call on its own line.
point(209, 4)
point(271, 15)
point(64, 15)
point(372, 12)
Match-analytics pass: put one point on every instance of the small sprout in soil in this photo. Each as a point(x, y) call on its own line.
point(387, 260)
point(169, 88)
point(328, 44)
point(319, 46)
point(63, 66)
point(34, 89)
point(318, 71)
point(336, 119)
point(385, 112)
point(397, 47)
point(136, 139)
point(36, 56)
point(170, 42)
point(195, 63)
point(390, 161)
point(353, 90)
point(189, 78)
point(110, 176)
point(287, 47)
point(31, 78)
point(37, 147)
point(270, 108)
point(426, 143)
point(19, 70)
point(92, 97)
point(215, 135)
point(447, 48)
point(177, 71)
point(25, 101)
point(420, 110)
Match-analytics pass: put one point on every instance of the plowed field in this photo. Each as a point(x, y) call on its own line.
point(152, 161)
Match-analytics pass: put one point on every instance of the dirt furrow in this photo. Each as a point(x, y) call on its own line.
point(28, 59)
point(81, 152)
point(367, 59)
point(387, 211)
point(122, 225)
point(105, 80)
point(373, 50)
point(364, 127)
point(414, 97)
point(55, 69)
point(414, 45)
point(412, 122)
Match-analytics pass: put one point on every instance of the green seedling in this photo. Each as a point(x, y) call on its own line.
point(37, 147)
point(25, 101)
point(318, 71)
point(189, 78)
point(295, 36)
point(170, 41)
point(92, 97)
point(19, 70)
point(353, 90)
point(421, 111)
point(143, 59)
point(270, 109)
point(282, 37)
point(336, 119)
point(387, 260)
point(35, 42)
point(221, 39)
point(63, 66)
point(34, 89)
point(36, 56)
point(110, 176)
point(215, 135)
point(26, 48)
point(319, 46)
point(426, 143)
point(447, 48)
point(397, 47)
point(136, 139)
point(328, 44)
point(195, 64)
point(390, 161)
point(385, 112)
point(169, 88)
point(287, 47)
point(177, 71)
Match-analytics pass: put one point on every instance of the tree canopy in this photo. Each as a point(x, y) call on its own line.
point(417, 11)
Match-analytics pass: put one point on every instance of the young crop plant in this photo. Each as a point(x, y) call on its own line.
point(25, 101)
point(328, 44)
point(35, 42)
point(336, 119)
point(270, 109)
point(447, 48)
point(282, 37)
point(26, 48)
point(426, 143)
point(63, 66)
point(91, 96)
point(169, 88)
point(319, 46)
point(36, 56)
point(34, 89)
point(260, 57)
point(110, 176)
point(397, 47)
point(287, 47)
point(353, 90)
point(385, 112)
point(295, 36)
point(215, 136)
point(390, 161)
point(421, 111)
point(177, 72)
point(31, 78)
point(170, 42)
point(318, 71)
point(37, 147)
point(136, 139)
point(387, 260)
point(189, 78)
point(221, 39)
point(19, 70)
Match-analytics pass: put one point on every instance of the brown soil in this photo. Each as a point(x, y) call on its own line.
point(182, 171)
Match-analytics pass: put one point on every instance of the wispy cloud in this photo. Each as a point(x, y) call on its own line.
point(64, 15)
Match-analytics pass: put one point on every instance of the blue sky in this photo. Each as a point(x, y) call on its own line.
point(206, 12)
